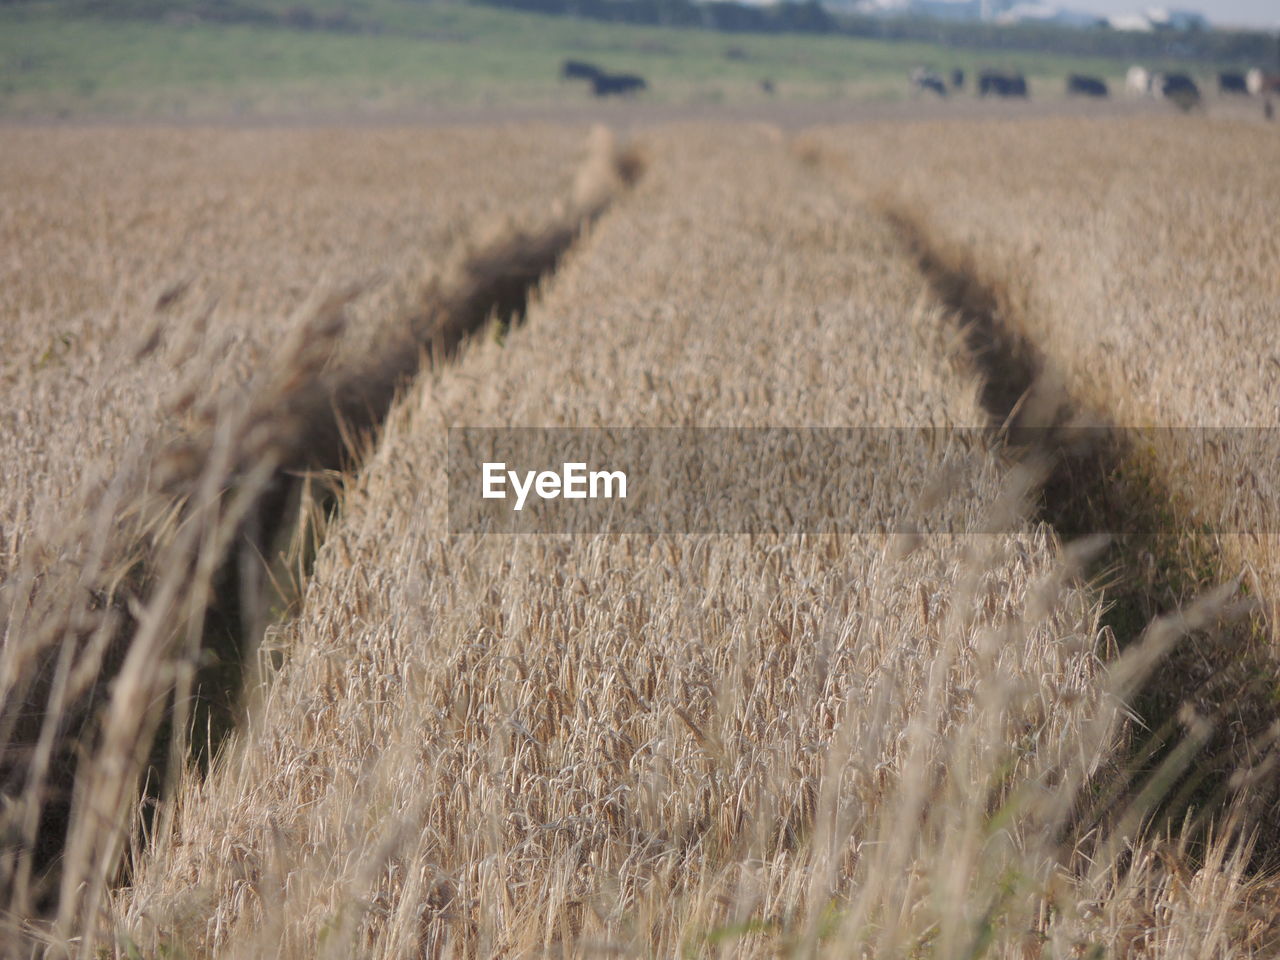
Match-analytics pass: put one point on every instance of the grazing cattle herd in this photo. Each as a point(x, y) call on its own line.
point(1179, 88)
point(1183, 89)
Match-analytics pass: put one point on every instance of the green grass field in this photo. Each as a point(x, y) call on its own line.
point(395, 56)
point(403, 56)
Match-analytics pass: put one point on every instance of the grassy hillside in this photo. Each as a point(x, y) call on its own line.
point(187, 59)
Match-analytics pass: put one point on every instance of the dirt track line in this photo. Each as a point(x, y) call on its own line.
point(1224, 673)
point(230, 497)
point(332, 419)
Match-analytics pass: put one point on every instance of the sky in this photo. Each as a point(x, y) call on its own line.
point(1222, 13)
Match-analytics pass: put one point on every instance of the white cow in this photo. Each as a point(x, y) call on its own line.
point(1257, 82)
point(1137, 82)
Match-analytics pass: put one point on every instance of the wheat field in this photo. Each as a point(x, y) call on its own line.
point(1140, 258)
point(736, 744)
point(150, 264)
point(159, 355)
point(1139, 261)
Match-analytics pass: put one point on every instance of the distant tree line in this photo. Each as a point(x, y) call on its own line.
point(786, 17)
point(296, 15)
point(1217, 46)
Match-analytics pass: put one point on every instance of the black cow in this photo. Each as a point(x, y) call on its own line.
point(935, 84)
point(1179, 88)
point(1232, 83)
point(579, 70)
point(1002, 84)
point(957, 79)
point(1080, 85)
point(617, 84)
point(923, 79)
